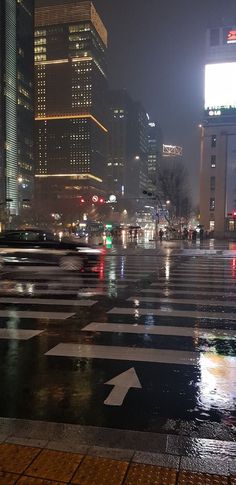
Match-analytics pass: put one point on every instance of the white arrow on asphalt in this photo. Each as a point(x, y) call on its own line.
point(122, 383)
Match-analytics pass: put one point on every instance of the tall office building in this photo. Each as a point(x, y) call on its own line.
point(71, 102)
point(155, 144)
point(16, 105)
point(218, 134)
point(127, 166)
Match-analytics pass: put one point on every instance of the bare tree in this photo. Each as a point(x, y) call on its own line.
point(172, 189)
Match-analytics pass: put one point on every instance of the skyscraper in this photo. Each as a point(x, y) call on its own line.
point(71, 102)
point(218, 134)
point(16, 104)
point(128, 145)
point(155, 147)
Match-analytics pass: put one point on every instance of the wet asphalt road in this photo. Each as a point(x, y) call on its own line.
point(171, 319)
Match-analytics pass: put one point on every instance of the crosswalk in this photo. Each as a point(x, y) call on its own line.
point(168, 309)
point(170, 315)
point(49, 294)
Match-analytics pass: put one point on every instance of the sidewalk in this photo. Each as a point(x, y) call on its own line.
point(28, 465)
point(41, 453)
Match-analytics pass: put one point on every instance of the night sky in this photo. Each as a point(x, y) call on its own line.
point(156, 52)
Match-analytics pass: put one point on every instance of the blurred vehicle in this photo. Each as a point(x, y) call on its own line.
point(34, 247)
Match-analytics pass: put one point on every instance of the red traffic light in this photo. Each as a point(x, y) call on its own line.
point(101, 200)
point(82, 201)
point(234, 213)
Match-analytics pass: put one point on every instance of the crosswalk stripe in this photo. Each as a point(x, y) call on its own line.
point(76, 279)
point(46, 301)
point(180, 301)
point(37, 314)
point(167, 283)
point(188, 279)
point(125, 353)
point(169, 312)
point(189, 292)
point(194, 332)
point(200, 270)
point(16, 334)
point(53, 292)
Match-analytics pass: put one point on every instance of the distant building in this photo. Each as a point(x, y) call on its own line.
point(71, 102)
point(218, 134)
point(16, 105)
point(127, 167)
point(155, 145)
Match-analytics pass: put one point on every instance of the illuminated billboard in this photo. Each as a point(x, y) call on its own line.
point(231, 37)
point(220, 87)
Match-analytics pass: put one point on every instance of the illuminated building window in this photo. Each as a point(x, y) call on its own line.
point(231, 226)
point(212, 203)
point(213, 161)
point(213, 141)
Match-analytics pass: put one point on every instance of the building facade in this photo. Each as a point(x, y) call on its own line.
point(71, 102)
point(155, 144)
point(127, 166)
point(16, 105)
point(218, 135)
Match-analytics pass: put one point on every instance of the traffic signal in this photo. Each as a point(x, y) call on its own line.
point(101, 200)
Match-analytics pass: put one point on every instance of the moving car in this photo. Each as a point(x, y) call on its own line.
point(34, 247)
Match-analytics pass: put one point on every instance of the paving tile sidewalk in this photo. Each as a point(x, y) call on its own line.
point(38, 465)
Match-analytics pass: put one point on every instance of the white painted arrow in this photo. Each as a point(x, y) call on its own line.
point(122, 383)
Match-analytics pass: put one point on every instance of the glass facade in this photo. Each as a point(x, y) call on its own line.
point(70, 58)
point(16, 72)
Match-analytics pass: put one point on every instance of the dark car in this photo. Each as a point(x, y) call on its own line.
point(37, 247)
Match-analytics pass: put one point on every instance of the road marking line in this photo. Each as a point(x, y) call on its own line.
point(185, 284)
point(188, 279)
point(169, 312)
point(76, 280)
point(122, 383)
point(178, 301)
point(200, 271)
point(125, 353)
point(13, 313)
point(46, 301)
point(189, 292)
point(16, 334)
point(194, 332)
point(36, 292)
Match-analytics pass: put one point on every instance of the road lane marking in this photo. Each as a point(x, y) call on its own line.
point(16, 334)
point(188, 278)
point(93, 290)
point(166, 283)
point(189, 292)
point(46, 301)
point(194, 332)
point(125, 353)
point(169, 312)
point(65, 280)
point(14, 314)
point(180, 301)
point(122, 383)
point(200, 271)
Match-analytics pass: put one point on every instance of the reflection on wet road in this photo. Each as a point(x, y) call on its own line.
point(171, 319)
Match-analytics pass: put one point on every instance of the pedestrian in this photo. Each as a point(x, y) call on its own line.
point(201, 234)
point(185, 233)
point(194, 235)
point(161, 234)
